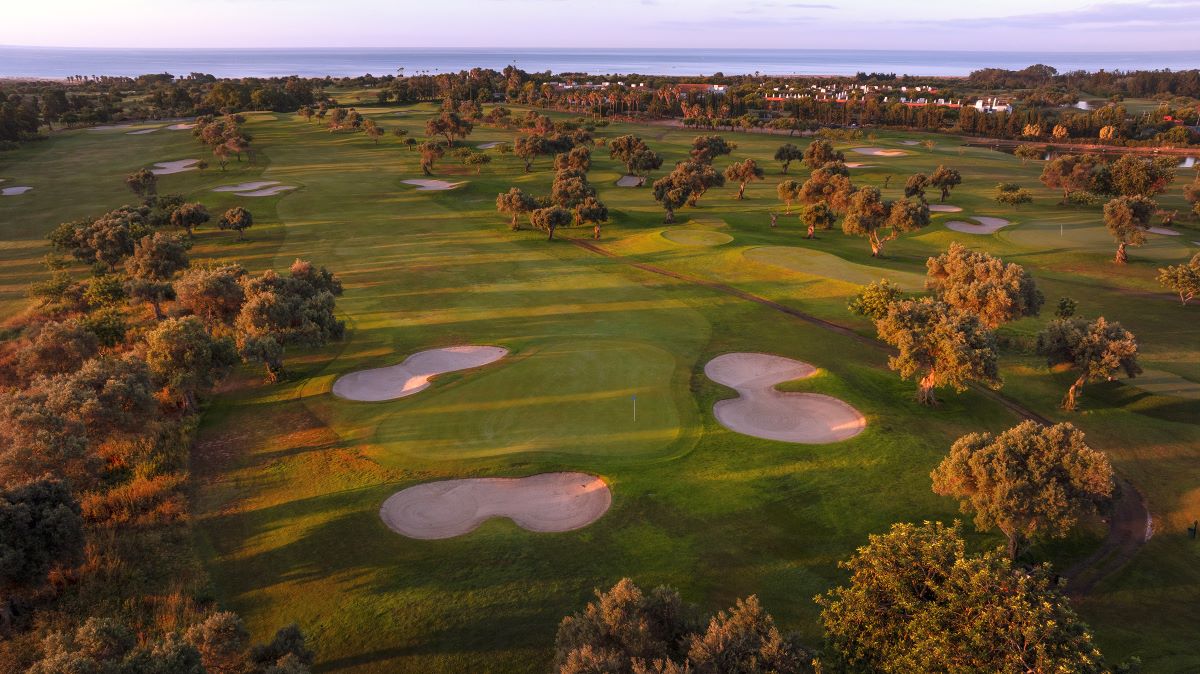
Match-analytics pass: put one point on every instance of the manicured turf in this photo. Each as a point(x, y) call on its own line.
point(289, 479)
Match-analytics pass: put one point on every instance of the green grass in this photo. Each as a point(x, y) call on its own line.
point(288, 479)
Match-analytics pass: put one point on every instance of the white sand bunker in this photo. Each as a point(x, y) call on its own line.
point(246, 187)
point(763, 412)
point(413, 375)
point(857, 164)
point(142, 132)
point(164, 168)
point(910, 142)
point(181, 127)
point(489, 145)
point(14, 191)
point(268, 192)
point(428, 185)
point(987, 225)
point(545, 503)
point(1162, 230)
point(631, 181)
point(879, 152)
point(944, 208)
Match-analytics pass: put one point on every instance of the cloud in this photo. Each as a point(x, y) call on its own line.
point(1105, 16)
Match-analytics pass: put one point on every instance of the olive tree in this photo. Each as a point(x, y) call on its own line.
point(786, 154)
point(1127, 219)
point(977, 283)
point(515, 202)
point(867, 215)
point(743, 172)
point(1184, 279)
point(1097, 350)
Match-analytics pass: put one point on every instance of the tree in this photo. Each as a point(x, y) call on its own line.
point(549, 219)
point(1030, 481)
point(515, 203)
point(633, 152)
point(874, 299)
point(1191, 194)
point(917, 602)
point(788, 190)
point(287, 648)
point(915, 185)
point(222, 640)
point(786, 154)
point(1127, 219)
point(570, 188)
point(743, 172)
point(817, 216)
point(705, 149)
point(185, 359)
point(450, 126)
point(1183, 279)
point(212, 292)
point(579, 158)
point(1012, 194)
point(685, 185)
point(430, 153)
point(1134, 176)
point(867, 215)
point(821, 152)
point(108, 395)
point(102, 645)
point(237, 219)
point(189, 216)
point(55, 347)
point(827, 187)
point(940, 345)
point(744, 640)
point(154, 262)
point(1073, 173)
point(592, 210)
point(40, 528)
point(529, 148)
point(279, 311)
point(372, 130)
point(1097, 350)
point(945, 179)
point(979, 284)
point(1025, 152)
point(143, 183)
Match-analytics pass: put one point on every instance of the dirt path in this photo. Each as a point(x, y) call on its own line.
point(1129, 526)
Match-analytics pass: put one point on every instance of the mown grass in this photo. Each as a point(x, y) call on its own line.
point(288, 480)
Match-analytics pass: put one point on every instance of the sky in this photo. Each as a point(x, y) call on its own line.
point(1012, 25)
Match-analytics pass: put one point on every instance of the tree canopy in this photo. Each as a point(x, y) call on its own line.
point(1097, 350)
point(1127, 219)
point(977, 283)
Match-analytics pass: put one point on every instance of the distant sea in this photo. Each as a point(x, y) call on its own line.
point(56, 62)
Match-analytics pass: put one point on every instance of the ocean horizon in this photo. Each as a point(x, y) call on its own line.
point(62, 62)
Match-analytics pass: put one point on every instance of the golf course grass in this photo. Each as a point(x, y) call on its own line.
point(604, 376)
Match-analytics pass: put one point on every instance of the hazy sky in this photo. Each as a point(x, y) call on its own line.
point(1041, 25)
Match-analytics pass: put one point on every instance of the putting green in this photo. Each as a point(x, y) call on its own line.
point(1163, 383)
point(830, 266)
point(528, 406)
point(696, 237)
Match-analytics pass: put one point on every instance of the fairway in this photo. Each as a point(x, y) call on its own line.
point(604, 377)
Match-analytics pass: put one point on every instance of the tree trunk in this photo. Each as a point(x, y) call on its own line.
point(551, 237)
point(812, 232)
point(1070, 402)
point(515, 225)
point(1015, 546)
point(157, 306)
point(1122, 256)
point(925, 394)
point(741, 191)
point(945, 194)
point(670, 219)
point(596, 232)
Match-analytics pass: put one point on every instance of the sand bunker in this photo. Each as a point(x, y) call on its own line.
point(428, 185)
point(987, 225)
point(245, 187)
point(944, 208)
point(14, 191)
point(268, 192)
point(631, 181)
point(489, 145)
point(142, 132)
point(1162, 230)
point(764, 412)
point(857, 164)
point(879, 152)
point(910, 142)
point(697, 237)
point(546, 503)
point(413, 375)
point(181, 127)
point(164, 168)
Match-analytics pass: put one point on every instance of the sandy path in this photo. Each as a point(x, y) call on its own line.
point(243, 187)
point(987, 225)
point(545, 503)
point(879, 152)
point(944, 208)
point(764, 412)
point(14, 191)
point(630, 181)
point(428, 185)
point(164, 168)
point(413, 375)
